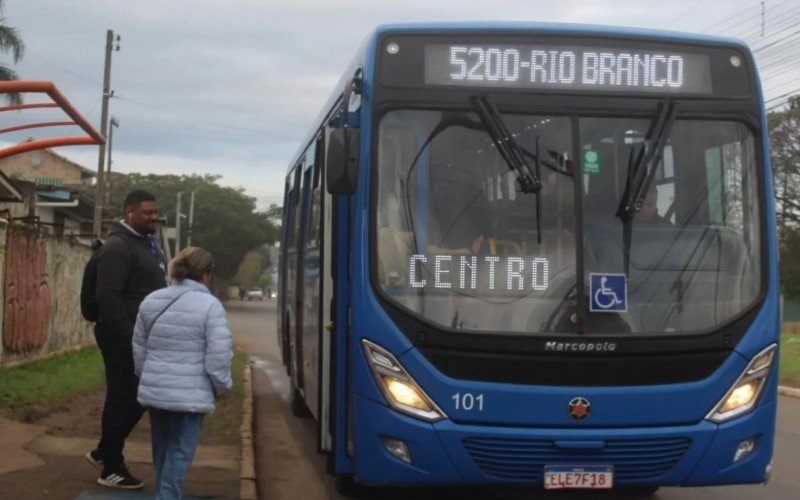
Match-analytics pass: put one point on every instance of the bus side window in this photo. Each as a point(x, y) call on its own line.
point(725, 184)
point(315, 223)
point(291, 209)
point(298, 209)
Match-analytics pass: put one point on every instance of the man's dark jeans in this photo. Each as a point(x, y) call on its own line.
point(121, 411)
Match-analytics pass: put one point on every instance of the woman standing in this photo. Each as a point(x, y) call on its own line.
point(182, 350)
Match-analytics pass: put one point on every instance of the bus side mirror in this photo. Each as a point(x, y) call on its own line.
point(341, 159)
point(341, 163)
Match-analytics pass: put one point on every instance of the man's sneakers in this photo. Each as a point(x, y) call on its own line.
point(95, 459)
point(120, 479)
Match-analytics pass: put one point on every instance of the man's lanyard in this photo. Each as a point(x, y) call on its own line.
point(156, 252)
point(151, 241)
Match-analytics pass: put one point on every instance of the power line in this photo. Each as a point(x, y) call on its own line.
point(219, 124)
point(792, 22)
point(769, 14)
point(791, 16)
point(784, 95)
point(779, 66)
point(778, 105)
point(683, 13)
point(775, 87)
point(65, 70)
point(213, 125)
point(776, 42)
point(779, 56)
point(745, 11)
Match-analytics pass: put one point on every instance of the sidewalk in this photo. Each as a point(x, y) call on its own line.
point(35, 465)
point(41, 462)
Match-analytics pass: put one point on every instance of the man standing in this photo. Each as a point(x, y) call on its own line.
point(130, 265)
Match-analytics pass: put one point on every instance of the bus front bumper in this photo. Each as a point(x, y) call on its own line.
point(449, 453)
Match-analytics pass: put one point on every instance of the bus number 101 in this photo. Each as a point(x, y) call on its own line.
point(468, 401)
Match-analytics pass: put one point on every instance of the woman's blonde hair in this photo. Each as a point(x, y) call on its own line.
point(192, 263)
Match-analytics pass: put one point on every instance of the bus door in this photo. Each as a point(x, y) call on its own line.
point(325, 440)
point(301, 227)
point(334, 423)
point(310, 291)
point(288, 270)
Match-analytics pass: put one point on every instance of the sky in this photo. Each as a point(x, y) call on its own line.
point(231, 87)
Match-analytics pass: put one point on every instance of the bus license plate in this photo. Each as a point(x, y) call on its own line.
point(578, 477)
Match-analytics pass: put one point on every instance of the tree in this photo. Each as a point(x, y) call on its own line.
point(10, 42)
point(250, 269)
point(275, 214)
point(256, 269)
point(225, 219)
point(785, 146)
point(790, 263)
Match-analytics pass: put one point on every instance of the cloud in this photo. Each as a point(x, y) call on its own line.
point(232, 86)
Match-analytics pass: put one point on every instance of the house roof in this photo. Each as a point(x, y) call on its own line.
point(80, 167)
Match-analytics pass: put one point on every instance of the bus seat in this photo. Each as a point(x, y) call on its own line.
point(394, 249)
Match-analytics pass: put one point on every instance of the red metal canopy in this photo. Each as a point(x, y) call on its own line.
point(58, 101)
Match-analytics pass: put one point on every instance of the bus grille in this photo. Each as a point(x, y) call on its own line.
point(519, 459)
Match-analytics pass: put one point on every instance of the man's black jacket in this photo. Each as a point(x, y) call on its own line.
point(127, 271)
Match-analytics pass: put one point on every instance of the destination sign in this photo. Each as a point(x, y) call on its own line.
point(488, 273)
point(567, 68)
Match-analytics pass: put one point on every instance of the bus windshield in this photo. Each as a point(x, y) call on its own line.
point(463, 243)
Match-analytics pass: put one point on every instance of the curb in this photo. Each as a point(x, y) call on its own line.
point(247, 470)
point(788, 391)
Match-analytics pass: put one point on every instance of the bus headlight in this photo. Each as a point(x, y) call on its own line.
point(400, 390)
point(743, 394)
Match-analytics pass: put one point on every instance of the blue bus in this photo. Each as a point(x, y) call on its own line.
point(539, 255)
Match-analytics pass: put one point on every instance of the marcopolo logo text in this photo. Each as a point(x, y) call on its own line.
point(554, 346)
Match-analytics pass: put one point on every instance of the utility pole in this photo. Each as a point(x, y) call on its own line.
point(112, 125)
point(191, 221)
point(178, 226)
point(101, 163)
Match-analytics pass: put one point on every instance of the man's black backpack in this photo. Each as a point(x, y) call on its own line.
point(89, 307)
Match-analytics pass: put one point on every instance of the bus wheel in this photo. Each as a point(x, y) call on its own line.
point(347, 485)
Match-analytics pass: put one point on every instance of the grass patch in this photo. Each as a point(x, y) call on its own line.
point(52, 381)
point(222, 426)
point(790, 360)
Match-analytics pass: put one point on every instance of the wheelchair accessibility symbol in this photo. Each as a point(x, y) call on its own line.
point(609, 293)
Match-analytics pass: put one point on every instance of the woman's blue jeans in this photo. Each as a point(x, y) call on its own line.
point(174, 435)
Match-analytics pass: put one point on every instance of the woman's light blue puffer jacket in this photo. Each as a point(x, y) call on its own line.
point(186, 358)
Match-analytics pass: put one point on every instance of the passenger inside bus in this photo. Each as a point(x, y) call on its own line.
point(649, 211)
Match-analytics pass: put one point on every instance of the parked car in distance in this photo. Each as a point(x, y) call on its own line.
point(255, 293)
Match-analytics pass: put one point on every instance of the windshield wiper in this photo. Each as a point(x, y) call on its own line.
point(642, 172)
point(511, 152)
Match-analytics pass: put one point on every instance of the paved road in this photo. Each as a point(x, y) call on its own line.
point(289, 467)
